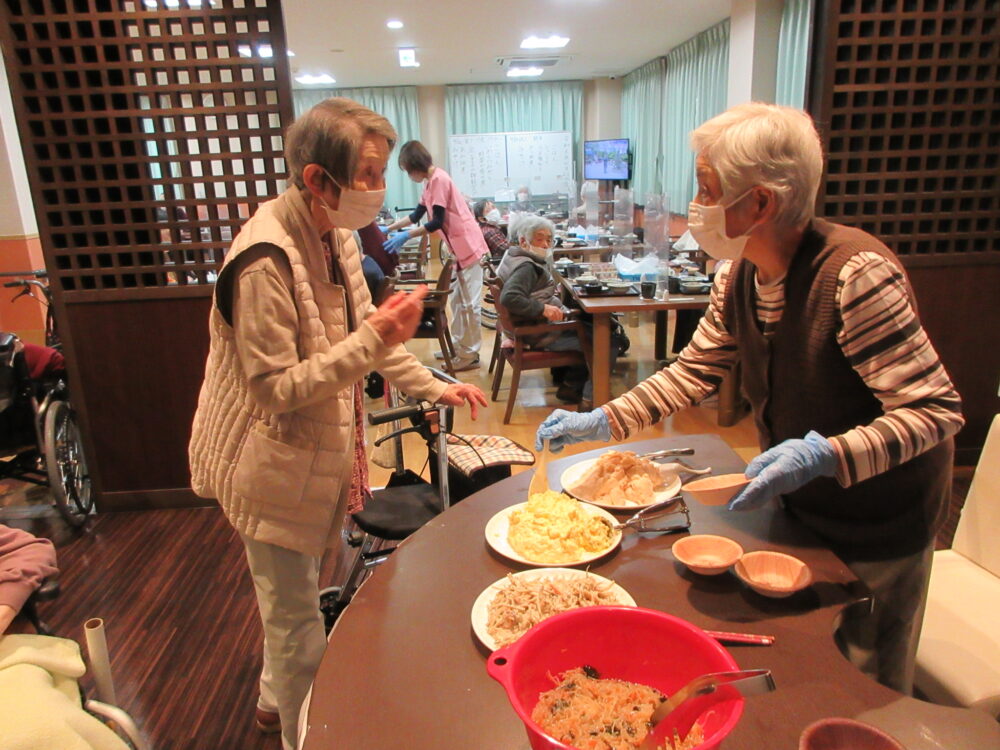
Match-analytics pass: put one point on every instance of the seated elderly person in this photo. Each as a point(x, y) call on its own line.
point(25, 561)
point(531, 295)
point(488, 217)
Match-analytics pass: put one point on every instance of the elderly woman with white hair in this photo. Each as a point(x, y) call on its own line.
point(854, 410)
point(531, 294)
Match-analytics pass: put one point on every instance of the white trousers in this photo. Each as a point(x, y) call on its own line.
point(466, 311)
point(287, 588)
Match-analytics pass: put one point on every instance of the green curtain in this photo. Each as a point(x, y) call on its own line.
point(793, 53)
point(642, 123)
point(398, 104)
point(512, 107)
point(696, 90)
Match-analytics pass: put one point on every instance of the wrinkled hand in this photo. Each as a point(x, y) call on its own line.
point(552, 313)
point(397, 318)
point(458, 394)
point(395, 242)
point(784, 468)
point(562, 428)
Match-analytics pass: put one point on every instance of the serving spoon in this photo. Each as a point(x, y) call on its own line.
point(540, 479)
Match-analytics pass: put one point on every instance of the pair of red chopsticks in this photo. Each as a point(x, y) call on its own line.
point(745, 638)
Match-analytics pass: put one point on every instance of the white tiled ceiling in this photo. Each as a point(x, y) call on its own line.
point(460, 41)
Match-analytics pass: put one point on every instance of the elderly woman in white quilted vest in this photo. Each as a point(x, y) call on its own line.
point(277, 437)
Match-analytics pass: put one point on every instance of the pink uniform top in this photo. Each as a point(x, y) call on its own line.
point(461, 230)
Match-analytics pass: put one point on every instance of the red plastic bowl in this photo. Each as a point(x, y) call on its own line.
point(626, 643)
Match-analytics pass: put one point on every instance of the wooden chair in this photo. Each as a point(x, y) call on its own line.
point(491, 280)
point(521, 357)
point(435, 321)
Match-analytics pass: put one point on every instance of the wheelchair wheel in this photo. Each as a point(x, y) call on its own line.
point(66, 465)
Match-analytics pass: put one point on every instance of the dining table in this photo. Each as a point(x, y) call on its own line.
point(601, 307)
point(403, 667)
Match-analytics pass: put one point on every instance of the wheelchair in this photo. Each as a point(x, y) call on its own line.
point(39, 435)
point(459, 465)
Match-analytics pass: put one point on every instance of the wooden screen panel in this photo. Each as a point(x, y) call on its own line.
point(906, 94)
point(154, 129)
point(912, 115)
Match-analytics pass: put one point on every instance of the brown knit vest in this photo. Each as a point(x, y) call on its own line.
point(799, 380)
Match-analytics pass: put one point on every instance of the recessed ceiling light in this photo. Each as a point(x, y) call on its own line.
point(394, 24)
point(521, 72)
point(408, 58)
point(291, 54)
point(321, 78)
point(553, 41)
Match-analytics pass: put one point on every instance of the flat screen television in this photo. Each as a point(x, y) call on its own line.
point(606, 160)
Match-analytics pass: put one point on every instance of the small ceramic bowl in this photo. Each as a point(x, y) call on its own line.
point(619, 286)
point(716, 490)
point(707, 554)
point(583, 278)
point(846, 734)
point(773, 574)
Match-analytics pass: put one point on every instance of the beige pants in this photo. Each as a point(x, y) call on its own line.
point(287, 587)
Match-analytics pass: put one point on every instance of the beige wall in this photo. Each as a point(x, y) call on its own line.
point(17, 218)
point(754, 27)
point(602, 108)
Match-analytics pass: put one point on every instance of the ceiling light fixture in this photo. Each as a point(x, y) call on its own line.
point(394, 24)
point(553, 41)
point(308, 78)
point(408, 58)
point(522, 72)
point(291, 54)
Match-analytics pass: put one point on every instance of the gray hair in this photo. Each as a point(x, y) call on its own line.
point(768, 145)
point(527, 225)
point(330, 134)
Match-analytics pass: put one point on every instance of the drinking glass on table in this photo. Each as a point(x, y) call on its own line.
point(647, 286)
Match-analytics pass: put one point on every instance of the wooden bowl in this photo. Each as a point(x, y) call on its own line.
point(707, 554)
point(716, 490)
point(773, 574)
point(846, 734)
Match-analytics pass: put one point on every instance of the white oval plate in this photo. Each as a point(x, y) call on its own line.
point(498, 526)
point(480, 607)
point(573, 473)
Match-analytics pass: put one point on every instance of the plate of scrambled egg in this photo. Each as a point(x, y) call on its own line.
point(552, 529)
point(620, 480)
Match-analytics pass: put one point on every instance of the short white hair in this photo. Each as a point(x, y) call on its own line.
point(528, 224)
point(768, 145)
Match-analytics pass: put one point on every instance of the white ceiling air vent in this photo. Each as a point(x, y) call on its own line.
point(532, 61)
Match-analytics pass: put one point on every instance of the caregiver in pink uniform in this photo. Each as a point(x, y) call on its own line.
point(449, 214)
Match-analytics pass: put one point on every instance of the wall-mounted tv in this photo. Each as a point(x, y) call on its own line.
point(606, 160)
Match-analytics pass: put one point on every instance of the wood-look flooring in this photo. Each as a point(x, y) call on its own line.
point(177, 600)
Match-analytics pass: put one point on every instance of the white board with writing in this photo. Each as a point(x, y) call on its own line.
point(478, 163)
point(483, 164)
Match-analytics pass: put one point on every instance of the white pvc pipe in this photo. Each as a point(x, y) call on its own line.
point(97, 649)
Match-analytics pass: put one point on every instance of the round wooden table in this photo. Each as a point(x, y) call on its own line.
point(403, 668)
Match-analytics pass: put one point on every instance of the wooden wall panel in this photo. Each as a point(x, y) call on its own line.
point(906, 94)
point(151, 130)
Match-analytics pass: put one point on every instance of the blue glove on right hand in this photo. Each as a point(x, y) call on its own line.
point(395, 242)
point(784, 468)
point(562, 428)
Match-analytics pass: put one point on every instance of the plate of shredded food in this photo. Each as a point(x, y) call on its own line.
point(506, 609)
point(620, 480)
point(586, 711)
point(552, 529)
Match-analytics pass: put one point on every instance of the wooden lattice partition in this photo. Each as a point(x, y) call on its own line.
point(151, 130)
point(907, 96)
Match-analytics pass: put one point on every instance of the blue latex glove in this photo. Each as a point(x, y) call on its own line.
point(561, 428)
point(395, 242)
point(784, 468)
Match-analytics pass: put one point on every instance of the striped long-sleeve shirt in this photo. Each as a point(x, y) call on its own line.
point(879, 334)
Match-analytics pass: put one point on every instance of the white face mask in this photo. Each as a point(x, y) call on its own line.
point(493, 216)
point(523, 197)
point(542, 252)
point(708, 226)
point(356, 208)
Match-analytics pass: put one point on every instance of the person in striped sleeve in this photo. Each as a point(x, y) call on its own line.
point(854, 410)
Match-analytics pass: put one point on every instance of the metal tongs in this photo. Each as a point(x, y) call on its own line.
point(674, 508)
point(720, 686)
point(652, 456)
